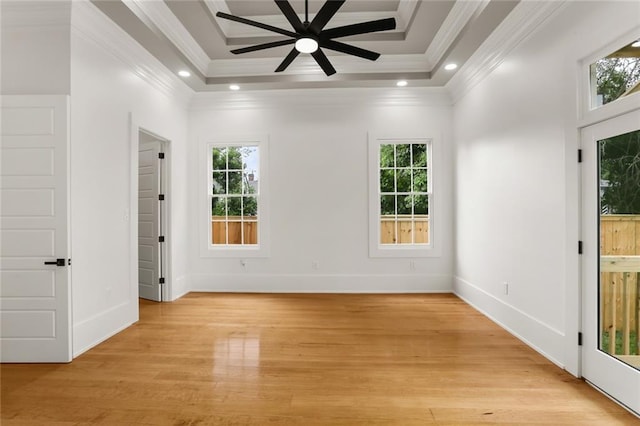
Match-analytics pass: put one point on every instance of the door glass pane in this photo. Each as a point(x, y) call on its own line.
point(619, 180)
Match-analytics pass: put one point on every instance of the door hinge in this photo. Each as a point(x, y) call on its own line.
point(579, 156)
point(579, 247)
point(161, 197)
point(161, 239)
point(161, 155)
point(579, 338)
point(161, 280)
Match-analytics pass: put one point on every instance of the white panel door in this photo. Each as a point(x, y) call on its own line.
point(149, 222)
point(35, 293)
point(611, 257)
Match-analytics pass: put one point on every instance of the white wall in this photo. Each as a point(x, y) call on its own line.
point(516, 180)
point(104, 92)
point(319, 188)
point(35, 48)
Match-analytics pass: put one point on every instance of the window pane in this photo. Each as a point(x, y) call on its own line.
point(249, 207)
point(405, 203)
point(386, 156)
point(421, 230)
point(387, 232)
point(235, 232)
point(235, 183)
point(405, 232)
point(218, 232)
point(419, 153)
point(420, 180)
point(403, 180)
point(219, 207)
point(234, 206)
point(387, 180)
point(403, 155)
point(250, 235)
point(219, 183)
point(616, 75)
point(219, 159)
point(421, 204)
point(387, 205)
point(235, 158)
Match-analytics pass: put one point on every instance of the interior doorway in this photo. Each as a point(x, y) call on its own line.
point(152, 214)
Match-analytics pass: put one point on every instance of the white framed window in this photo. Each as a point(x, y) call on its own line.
point(235, 213)
point(401, 197)
point(610, 80)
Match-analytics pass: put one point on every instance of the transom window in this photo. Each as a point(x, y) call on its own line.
point(615, 76)
point(234, 191)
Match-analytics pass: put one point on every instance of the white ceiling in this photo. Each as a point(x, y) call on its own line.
point(186, 35)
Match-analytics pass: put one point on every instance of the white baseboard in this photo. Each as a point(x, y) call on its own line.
point(543, 338)
point(179, 288)
point(102, 326)
point(321, 283)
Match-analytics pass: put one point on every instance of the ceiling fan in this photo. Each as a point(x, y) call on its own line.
point(310, 37)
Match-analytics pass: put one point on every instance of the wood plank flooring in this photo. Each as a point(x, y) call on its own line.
point(248, 359)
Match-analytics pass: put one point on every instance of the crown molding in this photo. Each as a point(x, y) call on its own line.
point(39, 15)
point(307, 66)
point(523, 21)
point(461, 14)
point(89, 22)
point(322, 98)
point(406, 11)
point(158, 16)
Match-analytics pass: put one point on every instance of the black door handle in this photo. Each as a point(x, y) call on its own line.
point(57, 262)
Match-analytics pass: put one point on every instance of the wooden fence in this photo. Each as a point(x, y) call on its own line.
point(400, 230)
point(391, 231)
point(239, 231)
point(620, 281)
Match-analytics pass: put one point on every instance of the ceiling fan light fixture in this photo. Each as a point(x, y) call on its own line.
point(636, 44)
point(306, 45)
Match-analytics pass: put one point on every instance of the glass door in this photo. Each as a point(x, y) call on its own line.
point(611, 257)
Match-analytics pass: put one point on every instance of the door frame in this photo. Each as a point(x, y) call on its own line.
point(167, 292)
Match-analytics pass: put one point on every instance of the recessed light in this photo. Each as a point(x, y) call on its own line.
point(636, 44)
point(184, 73)
point(450, 67)
point(401, 83)
point(234, 87)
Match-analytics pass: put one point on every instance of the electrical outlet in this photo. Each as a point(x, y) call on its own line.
point(412, 265)
point(243, 263)
point(505, 288)
point(315, 265)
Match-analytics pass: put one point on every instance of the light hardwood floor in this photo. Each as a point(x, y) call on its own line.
point(247, 359)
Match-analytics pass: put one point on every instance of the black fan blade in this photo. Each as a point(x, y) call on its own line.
point(324, 63)
point(290, 14)
point(287, 61)
point(256, 24)
point(349, 49)
point(263, 46)
point(324, 15)
point(362, 28)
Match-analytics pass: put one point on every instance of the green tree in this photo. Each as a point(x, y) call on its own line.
point(399, 163)
point(620, 171)
point(232, 191)
point(619, 155)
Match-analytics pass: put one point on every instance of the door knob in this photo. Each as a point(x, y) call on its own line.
point(57, 262)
